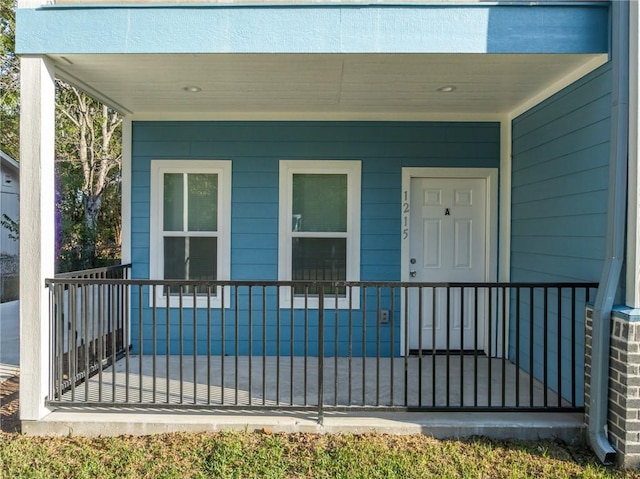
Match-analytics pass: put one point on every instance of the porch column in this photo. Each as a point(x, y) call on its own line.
point(37, 229)
point(126, 189)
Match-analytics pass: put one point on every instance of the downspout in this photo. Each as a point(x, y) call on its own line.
point(599, 397)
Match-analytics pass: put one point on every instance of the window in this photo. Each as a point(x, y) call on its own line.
point(319, 228)
point(190, 226)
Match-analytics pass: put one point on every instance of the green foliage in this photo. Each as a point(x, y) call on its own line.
point(88, 157)
point(88, 161)
point(9, 81)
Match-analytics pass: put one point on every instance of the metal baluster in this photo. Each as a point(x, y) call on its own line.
point(448, 347)
point(573, 347)
point(518, 321)
point(306, 339)
point(490, 355)
point(210, 339)
point(545, 380)
point(392, 315)
point(420, 327)
point(531, 350)
point(195, 344)
point(321, 354)
point(168, 341)
point(378, 308)
point(278, 328)
point(406, 346)
point(127, 336)
point(85, 340)
point(140, 347)
point(181, 339)
point(350, 360)
point(335, 347)
point(154, 321)
point(237, 341)
point(250, 344)
point(504, 343)
point(559, 346)
point(364, 345)
point(264, 345)
point(462, 317)
point(434, 352)
point(475, 345)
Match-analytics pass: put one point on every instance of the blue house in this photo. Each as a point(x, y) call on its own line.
point(344, 207)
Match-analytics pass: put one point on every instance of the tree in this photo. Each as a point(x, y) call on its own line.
point(88, 158)
point(9, 81)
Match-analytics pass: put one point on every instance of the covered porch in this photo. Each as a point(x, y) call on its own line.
point(130, 353)
point(528, 355)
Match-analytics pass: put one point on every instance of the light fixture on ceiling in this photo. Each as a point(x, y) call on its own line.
point(446, 89)
point(192, 89)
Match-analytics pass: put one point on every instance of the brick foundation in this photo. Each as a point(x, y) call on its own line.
point(624, 385)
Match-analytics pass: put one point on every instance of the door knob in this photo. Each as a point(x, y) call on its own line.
point(412, 274)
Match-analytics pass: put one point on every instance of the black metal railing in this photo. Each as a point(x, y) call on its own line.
point(88, 324)
point(383, 345)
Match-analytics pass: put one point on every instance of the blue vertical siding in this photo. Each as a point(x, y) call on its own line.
point(255, 148)
point(559, 204)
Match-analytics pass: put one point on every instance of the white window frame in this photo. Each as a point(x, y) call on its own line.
point(353, 170)
point(223, 169)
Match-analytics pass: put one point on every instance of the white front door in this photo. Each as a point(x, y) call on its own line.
point(447, 243)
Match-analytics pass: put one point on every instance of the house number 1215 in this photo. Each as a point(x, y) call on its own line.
point(405, 215)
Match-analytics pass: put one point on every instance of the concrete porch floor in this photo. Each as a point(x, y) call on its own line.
point(430, 381)
point(200, 401)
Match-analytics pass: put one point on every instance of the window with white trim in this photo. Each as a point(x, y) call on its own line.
point(319, 229)
point(190, 226)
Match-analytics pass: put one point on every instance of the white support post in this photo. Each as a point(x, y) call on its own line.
point(504, 273)
point(633, 204)
point(37, 230)
point(126, 189)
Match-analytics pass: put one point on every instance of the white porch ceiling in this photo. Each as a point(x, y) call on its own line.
point(328, 85)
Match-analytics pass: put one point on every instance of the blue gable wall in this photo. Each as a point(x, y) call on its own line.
point(559, 204)
point(255, 149)
point(559, 184)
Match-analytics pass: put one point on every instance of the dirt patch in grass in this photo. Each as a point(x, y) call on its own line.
point(9, 405)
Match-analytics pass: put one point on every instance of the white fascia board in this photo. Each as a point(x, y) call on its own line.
point(318, 116)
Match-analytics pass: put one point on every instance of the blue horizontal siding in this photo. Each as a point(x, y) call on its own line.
point(337, 28)
point(560, 172)
point(255, 149)
point(559, 203)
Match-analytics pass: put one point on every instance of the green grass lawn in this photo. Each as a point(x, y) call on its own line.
point(268, 455)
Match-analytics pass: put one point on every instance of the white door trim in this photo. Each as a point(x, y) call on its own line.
point(491, 226)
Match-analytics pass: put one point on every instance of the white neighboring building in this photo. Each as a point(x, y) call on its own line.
point(10, 206)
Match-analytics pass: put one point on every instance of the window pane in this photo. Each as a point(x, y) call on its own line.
point(203, 253)
point(203, 202)
point(319, 259)
point(192, 259)
point(173, 202)
point(319, 202)
point(174, 258)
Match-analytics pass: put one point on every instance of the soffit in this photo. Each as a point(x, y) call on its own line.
point(339, 84)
